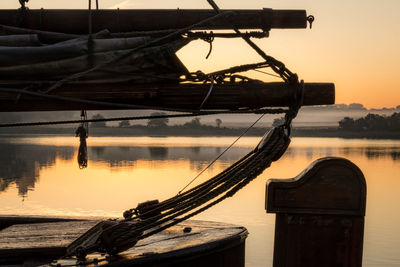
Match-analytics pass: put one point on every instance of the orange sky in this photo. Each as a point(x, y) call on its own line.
point(354, 44)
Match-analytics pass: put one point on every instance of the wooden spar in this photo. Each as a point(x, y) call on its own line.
point(125, 20)
point(182, 96)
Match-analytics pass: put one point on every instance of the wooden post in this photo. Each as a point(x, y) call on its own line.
point(319, 215)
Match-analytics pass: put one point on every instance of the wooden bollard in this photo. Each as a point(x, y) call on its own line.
point(319, 215)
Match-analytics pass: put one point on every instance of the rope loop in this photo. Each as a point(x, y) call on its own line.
point(22, 13)
point(209, 39)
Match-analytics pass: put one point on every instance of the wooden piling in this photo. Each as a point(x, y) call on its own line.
point(319, 215)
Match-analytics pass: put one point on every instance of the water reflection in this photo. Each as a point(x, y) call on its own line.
point(127, 156)
point(158, 153)
point(122, 173)
point(370, 152)
point(20, 164)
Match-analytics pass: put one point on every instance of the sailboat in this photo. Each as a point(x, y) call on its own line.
point(53, 60)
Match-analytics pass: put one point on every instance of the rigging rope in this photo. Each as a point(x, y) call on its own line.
point(195, 114)
point(208, 93)
point(120, 236)
point(221, 154)
point(86, 101)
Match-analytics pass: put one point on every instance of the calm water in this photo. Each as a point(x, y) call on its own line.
point(40, 176)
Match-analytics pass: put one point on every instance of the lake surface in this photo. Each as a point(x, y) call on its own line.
point(40, 176)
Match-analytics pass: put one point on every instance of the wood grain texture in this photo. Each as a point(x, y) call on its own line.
point(8, 220)
point(22, 241)
point(206, 244)
point(327, 186)
point(125, 20)
point(180, 96)
point(319, 215)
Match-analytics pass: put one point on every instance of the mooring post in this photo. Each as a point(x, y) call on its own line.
point(319, 215)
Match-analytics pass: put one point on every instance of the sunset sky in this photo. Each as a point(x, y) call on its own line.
point(355, 44)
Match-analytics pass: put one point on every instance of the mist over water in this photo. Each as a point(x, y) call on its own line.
point(40, 176)
point(309, 116)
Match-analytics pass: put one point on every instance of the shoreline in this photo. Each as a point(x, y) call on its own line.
point(200, 131)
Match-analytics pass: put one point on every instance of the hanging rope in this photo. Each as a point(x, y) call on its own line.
point(209, 39)
point(82, 132)
point(208, 93)
point(90, 42)
point(22, 13)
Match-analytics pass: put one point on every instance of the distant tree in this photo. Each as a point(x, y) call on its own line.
point(346, 124)
point(394, 121)
point(398, 107)
point(372, 122)
point(375, 122)
point(159, 122)
point(124, 124)
point(218, 122)
point(278, 122)
point(98, 124)
point(193, 123)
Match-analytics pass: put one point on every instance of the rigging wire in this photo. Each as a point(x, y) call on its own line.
point(94, 102)
point(200, 113)
point(267, 73)
point(221, 154)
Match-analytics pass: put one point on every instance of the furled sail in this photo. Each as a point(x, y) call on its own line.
point(30, 60)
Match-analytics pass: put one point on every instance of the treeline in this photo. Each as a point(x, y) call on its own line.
point(155, 122)
point(372, 122)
